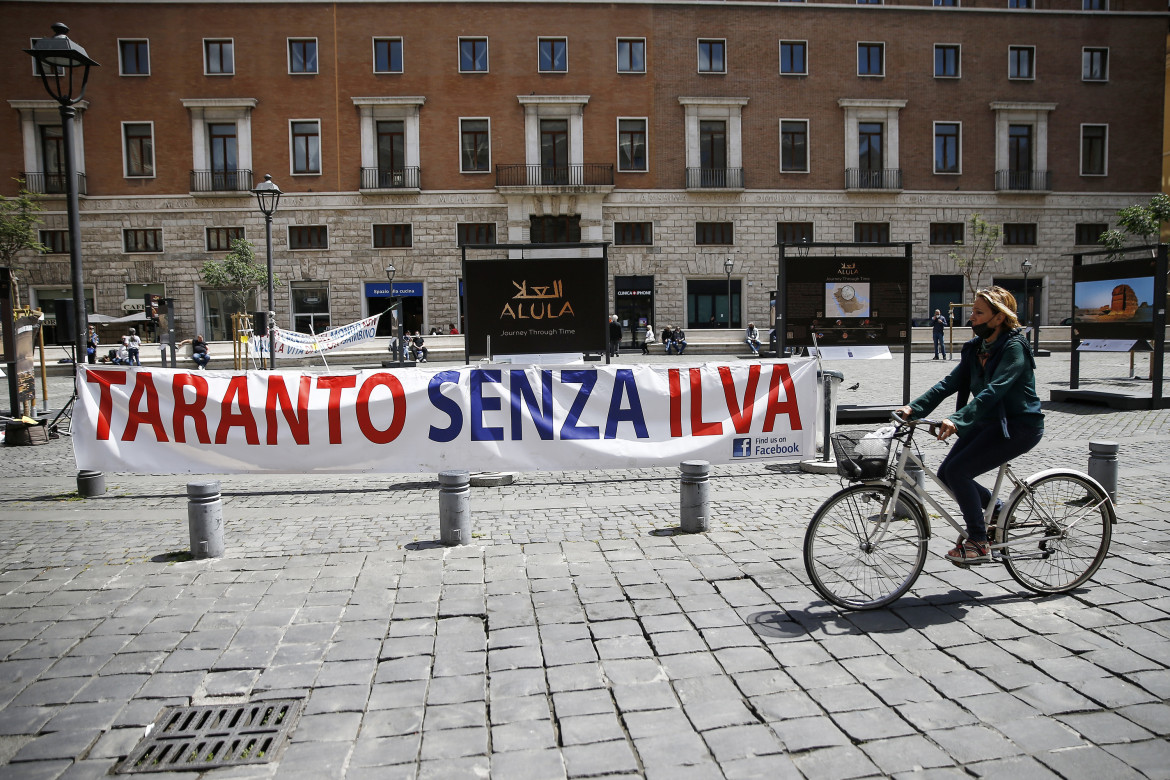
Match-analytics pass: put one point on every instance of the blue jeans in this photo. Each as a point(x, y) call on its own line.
point(939, 346)
point(980, 451)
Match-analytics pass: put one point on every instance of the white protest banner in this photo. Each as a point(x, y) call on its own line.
point(435, 419)
point(290, 342)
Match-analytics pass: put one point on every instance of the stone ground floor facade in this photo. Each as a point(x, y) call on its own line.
point(676, 276)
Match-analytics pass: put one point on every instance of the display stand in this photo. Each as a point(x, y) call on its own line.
point(1090, 334)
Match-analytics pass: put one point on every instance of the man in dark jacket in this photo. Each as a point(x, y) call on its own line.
point(615, 335)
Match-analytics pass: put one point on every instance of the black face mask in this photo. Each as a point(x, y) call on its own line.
point(983, 330)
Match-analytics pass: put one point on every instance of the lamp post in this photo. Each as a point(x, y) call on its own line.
point(728, 266)
point(398, 344)
point(268, 196)
point(1026, 267)
point(58, 59)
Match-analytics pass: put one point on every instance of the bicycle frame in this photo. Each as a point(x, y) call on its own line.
point(901, 481)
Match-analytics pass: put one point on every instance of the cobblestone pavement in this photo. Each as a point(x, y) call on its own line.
point(579, 635)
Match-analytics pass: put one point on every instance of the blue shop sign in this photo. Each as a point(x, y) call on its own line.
point(401, 290)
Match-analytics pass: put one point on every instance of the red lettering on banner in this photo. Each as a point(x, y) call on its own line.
point(675, 403)
point(742, 421)
point(335, 384)
point(192, 409)
point(103, 379)
point(144, 386)
point(789, 406)
point(698, 426)
point(363, 408)
point(298, 421)
point(237, 389)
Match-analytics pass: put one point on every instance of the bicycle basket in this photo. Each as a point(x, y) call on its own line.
point(861, 456)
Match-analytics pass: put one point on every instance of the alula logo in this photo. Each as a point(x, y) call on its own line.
point(538, 302)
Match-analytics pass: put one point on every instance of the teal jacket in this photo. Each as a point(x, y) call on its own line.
point(1004, 388)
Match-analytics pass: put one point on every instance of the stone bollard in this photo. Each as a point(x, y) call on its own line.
point(91, 483)
point(1103, 465)
point(455, 507)
point(694, 512)
point(205, 519)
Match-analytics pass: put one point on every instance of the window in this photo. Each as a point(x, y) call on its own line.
point(308, 237)
point(392, 236)
point(632, 145)
point(871, 232)
point(632, 233)
point(387, 55)
point(219, 57)
point(631, 55)
point(794, 145)
point(713, 233)
point(794, 58)
point(134, 57)
point(306, 146)
point(473, 55)
point(869, 2)
point(794, 232)
point(947, 3)
point(138, 149)
point(559, 229)
point(219, 239)
point(944, 233)
point(552, 55)
point(142, 240)
point(221, 152)
point(1019, 234)
point(1095, 5)
point(871, 59)
point(1021, 62)
point(475, 233)
point(1094, 64)
point(55, 242)
point(870, 146)
point(1019, 3)
point(310, 307)
point(946, 61)
point(391, 149)
point(1094, 149)
point(1020, 149)
point(475, 146)
point(1088, 233)
point(711, 58)
point(713, 145)
point(947, 147)
point(302, 55)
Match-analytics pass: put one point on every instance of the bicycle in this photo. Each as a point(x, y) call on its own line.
point(866, 545)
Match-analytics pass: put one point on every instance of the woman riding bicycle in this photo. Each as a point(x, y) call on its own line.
point(1002, 421)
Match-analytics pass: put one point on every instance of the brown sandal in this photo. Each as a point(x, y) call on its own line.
point(970, 552)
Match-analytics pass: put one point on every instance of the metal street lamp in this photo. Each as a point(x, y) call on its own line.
point(728, 266)
point(1026, 267)
point(268, 196)
point(802, 248)
point(58, 61)
point(398, 344)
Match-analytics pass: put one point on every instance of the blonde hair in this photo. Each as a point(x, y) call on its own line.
point(1003, 302)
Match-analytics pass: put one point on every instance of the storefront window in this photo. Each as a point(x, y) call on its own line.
point(310, 304)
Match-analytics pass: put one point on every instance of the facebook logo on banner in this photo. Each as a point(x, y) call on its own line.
point(741, 448)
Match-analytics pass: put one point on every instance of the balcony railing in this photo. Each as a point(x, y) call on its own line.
point(390, 178)
point(715, 178)
point(239, 180)
point(1024, 181)
point(586, 175)
point(50, 183)
point(865, 179)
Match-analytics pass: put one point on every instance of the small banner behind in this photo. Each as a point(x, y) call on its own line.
point(162, 421)
point(290, 342)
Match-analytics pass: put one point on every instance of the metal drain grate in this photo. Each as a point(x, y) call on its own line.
point(195, 739)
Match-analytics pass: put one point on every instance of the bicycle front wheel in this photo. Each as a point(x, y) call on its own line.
point(1057, 532)
point(860, 551)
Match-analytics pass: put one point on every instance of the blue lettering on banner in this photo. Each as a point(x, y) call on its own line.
point(481, 403)
point(445, 405)
point(542, 415)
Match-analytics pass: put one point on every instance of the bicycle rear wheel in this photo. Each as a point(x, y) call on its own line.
point(857, 554)
point(1057, 532)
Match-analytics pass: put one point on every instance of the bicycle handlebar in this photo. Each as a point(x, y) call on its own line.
point(932, 425)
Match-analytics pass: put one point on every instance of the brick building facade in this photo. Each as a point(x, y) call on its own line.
point(685, 133)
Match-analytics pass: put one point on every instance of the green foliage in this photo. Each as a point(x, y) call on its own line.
point(1138, 221)
point(239, 273)
point(979, 251)
point(18, 222)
